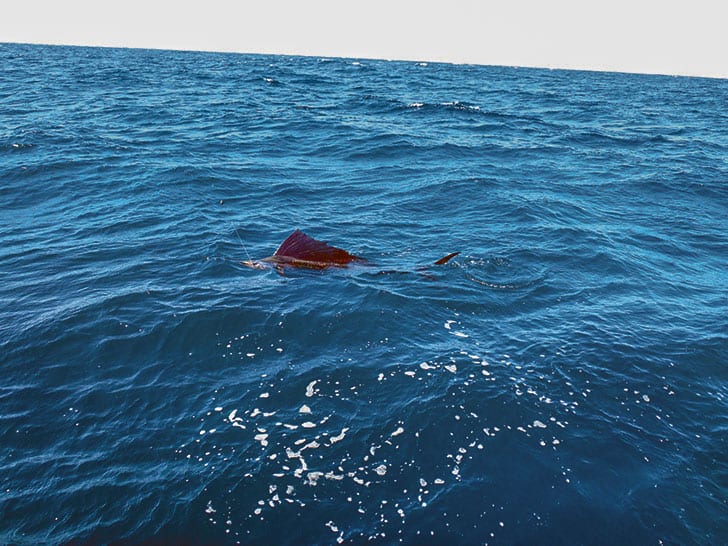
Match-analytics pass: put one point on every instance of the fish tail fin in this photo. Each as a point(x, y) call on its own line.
point(446, 259)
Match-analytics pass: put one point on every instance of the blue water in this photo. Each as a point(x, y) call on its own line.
point(563, 380)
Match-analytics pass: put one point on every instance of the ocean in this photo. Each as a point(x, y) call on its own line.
point(563, 380)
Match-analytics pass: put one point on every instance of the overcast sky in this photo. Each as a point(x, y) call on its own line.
point(689, 37)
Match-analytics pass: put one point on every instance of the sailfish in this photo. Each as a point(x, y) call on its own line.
point(301, 251)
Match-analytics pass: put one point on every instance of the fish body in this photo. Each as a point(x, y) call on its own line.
point(301, 251)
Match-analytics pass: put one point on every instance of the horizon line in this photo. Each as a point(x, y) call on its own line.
point(555, 67)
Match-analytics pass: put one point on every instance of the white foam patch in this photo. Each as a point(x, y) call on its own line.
point(283, 456)
point(339, 437)
point(310, 388)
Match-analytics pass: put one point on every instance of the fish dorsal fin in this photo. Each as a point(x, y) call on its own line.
point(300, 246)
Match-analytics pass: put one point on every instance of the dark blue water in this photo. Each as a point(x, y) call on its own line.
point(563, 381)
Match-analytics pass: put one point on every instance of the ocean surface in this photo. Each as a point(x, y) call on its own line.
point(564, 380)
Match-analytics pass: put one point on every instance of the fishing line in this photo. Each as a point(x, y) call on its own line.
point(242, 244)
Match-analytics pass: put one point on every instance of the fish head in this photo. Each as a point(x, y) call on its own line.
point(253, 264)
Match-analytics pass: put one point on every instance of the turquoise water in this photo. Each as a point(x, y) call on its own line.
point(562, 381)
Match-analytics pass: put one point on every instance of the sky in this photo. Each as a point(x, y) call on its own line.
point(644, 36)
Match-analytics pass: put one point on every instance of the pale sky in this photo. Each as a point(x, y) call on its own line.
point(646, 36)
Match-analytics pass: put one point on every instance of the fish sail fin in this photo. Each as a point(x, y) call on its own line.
point(446, 259)
point(300, 246)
